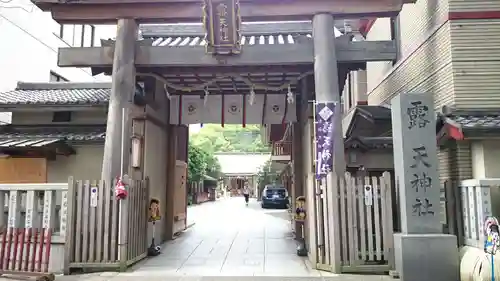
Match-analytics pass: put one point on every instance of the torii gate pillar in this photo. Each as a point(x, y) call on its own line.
point(117, 144)
point(328, 98)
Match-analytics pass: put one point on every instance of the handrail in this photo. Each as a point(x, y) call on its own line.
point(282, 148)
point(33, 186)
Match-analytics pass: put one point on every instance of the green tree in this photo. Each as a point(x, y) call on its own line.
point(197, 163)
point(266, 174)
point(230, 138)
point(201, 163)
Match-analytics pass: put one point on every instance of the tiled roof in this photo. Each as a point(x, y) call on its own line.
point(247, 28)
point(280, 39)
point(26, 142)
point(70, 133)
point(239, 163)
point(477, 121)
point(375, 111)
point(369, 142)
point(279, 33)
point(57, 93)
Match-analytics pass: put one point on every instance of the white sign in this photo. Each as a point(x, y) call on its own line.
point(93, 197)
point(12, 209)
point(30, 202)
point(368, 195)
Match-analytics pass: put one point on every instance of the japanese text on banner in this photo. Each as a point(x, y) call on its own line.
point(324, 119)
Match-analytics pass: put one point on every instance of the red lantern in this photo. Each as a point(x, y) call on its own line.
point(120, 191)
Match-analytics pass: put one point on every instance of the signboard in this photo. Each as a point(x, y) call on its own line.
point(93, 196)
point(323, 118)
point(222, 22)
point(368, 195)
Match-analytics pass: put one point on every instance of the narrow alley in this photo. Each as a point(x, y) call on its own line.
point(231, 239)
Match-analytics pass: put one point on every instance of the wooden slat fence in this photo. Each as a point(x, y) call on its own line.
point(102, 228)
point(478, 199)
point(29, 218)
point(355, 223)
point(366, 224)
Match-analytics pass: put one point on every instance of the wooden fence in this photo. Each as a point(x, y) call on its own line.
point(100, 236)
point(31, 218)
point(467, 210)
point(362, 207)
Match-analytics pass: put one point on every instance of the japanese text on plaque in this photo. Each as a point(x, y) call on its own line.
point(421, 182)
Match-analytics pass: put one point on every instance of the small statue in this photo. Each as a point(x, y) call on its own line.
point(300, 208)
point(492, 235)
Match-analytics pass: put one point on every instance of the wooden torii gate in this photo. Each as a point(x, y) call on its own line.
point(329, 58)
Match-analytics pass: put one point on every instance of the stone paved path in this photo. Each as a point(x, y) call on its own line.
point(229, 240)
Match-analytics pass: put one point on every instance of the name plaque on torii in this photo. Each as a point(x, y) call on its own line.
point(222, 24)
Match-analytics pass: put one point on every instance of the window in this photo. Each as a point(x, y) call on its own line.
point(61, 116)
point(54, 77)
point(92, 36)
point(77, 35)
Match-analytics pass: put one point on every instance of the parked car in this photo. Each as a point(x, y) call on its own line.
point(274, 196)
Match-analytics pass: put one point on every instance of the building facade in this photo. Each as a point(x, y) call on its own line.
point(450, 48)
point(59, 130)
point(33, 41)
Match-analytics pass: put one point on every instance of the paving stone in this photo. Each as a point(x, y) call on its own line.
point(229, 242)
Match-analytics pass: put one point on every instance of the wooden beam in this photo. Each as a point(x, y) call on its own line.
point(168, 11)
point(252, 55)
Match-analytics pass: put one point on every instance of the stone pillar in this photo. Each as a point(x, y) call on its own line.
point(422, 252)
point(326, 80)
point(298, 152)
point(330, 154)
point(116, 145)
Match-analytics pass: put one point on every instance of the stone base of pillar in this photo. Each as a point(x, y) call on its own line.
point(426, 257)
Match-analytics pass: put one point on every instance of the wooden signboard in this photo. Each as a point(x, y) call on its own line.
point(222, 22)
point(23, 170)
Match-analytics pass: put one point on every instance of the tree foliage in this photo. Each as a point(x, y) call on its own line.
point(266, 174)
point(201, 163)
point(213, 138)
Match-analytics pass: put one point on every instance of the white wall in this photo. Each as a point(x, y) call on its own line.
point(485, 155)
point(86, 164)
point(28, 51)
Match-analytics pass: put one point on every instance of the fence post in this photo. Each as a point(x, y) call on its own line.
point(458, 213)
point(123, 227)
point(453, 211)
point(69, 223)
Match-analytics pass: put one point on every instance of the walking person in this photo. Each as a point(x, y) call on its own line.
point(246, 193)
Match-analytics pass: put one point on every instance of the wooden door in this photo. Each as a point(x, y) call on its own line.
point(179, 193)
point(23, 170)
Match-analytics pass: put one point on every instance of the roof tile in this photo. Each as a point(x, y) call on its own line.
point(56, 96)
point(477, 121)
point(74, 133)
